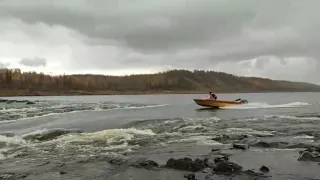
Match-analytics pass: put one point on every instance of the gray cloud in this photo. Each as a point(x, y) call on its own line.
point(181, 24)
point(33, 62)
point(4, 65)
point(179, 33)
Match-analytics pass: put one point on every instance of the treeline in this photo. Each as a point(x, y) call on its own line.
point(14, 82)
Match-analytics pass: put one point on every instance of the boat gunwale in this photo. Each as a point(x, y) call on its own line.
point(218, 101)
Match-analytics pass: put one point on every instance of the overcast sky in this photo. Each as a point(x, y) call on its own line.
point(278, 39)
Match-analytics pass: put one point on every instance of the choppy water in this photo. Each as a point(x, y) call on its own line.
point(82, 135)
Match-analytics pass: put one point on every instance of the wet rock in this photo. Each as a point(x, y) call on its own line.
point(313, 149)
point(209, 162)
point(215, 150)
point(228, 138)
point(148, 164)
point(206, 170)
point(61, 165)
point(186, 164)
point(50, 134)
point(42, 164)
point(221, 159)
point(117, 161)
point(225, 167)
point(263, 144)
point(299, 145)
point(309, 156)
point(264, 169)
point(190, 177)
point(243, 136)
point(9, 101)
point(252, 173)
point(240, 146)
point(308, 133)
point(221, 138)
point(16, 101)
point(63, 172)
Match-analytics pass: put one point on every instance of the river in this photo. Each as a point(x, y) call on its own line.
point(100, 137)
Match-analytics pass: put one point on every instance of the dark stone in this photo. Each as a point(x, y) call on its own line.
point(148, 164)
point(221, 138)
point(31, 102)
point(206, 170)
point(221, 159)
point(264, 169)
point(16, 101)
point(240, 146)
point(43, 164)
point(226, 138)
point(244, 136)
point(252, 173)
point(208, 162)
point(215, 150)
point(226, 167)
point(309, 156)
point(299, 145)
point(190, 177)
point(186, 164)
point(117, 161)
point(61, 165)
point(63, 172)
point(264, 144)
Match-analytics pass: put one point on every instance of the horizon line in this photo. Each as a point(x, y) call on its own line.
point(153, 73)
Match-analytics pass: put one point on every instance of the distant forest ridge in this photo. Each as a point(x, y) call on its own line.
point(13, 82)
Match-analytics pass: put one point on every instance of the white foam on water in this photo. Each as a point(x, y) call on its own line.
point(200, 140)
point(204, 119)
point(279, 117)
point(249, 131)
point(291, 117)
point(193, 128)
point(15, 140)
point(107, 139)
point(303, 137)
point(36, 132)
point(12, 109)
point(258, 105)
point(22, 113)
point(2, 157)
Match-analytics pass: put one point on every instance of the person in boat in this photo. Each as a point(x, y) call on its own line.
point(213, 96)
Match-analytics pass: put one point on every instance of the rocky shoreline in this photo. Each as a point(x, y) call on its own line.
point(216, 164)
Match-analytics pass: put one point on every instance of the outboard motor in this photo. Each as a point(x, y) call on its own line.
point(243, 101)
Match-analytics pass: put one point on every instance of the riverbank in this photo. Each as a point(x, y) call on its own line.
point(169, 82)
point(15, 93)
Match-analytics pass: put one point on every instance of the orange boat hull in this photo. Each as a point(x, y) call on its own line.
point(216, 103)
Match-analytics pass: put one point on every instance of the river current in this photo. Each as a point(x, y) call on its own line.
point(102, 137)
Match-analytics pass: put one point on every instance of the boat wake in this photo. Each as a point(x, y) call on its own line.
point(258, 105)
point(14, 111)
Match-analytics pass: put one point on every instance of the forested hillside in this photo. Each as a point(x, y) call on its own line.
point(13, 82)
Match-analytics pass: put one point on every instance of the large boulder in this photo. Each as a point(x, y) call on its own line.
point(186, 164)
